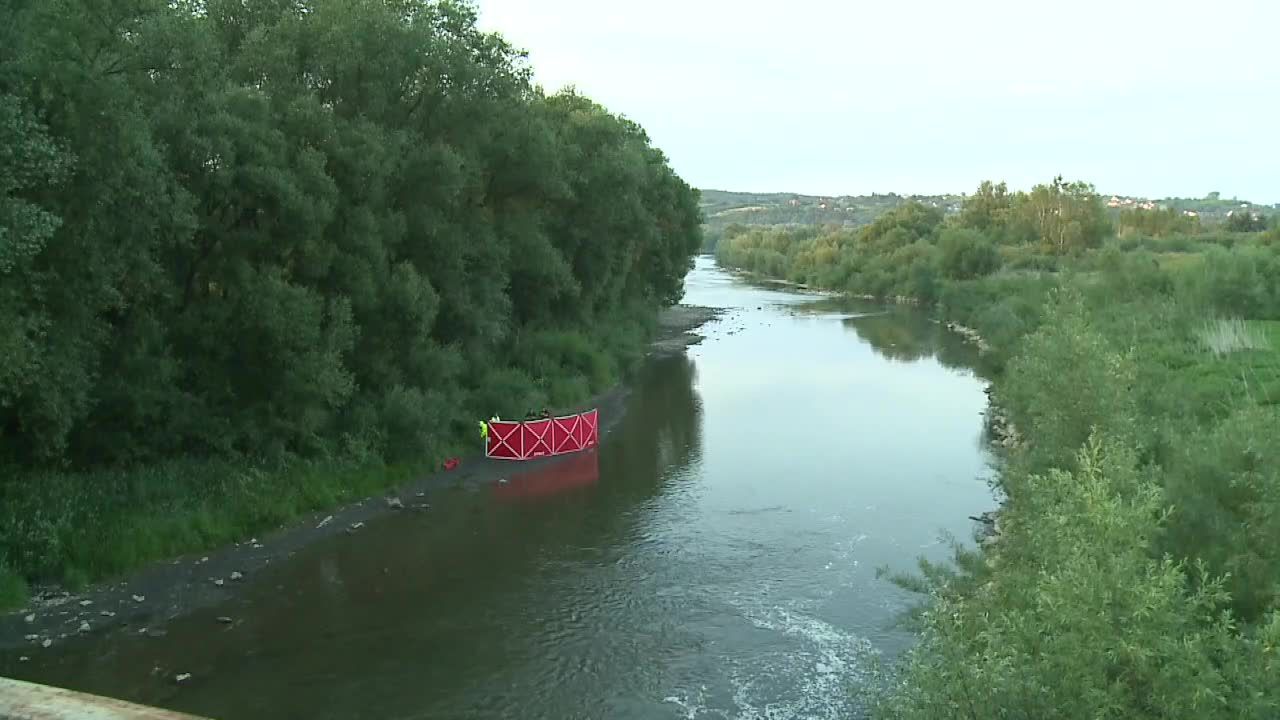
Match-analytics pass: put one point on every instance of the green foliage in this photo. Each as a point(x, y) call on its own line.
point(967, 254)
point(1156, 223)
point(1068, 382)
point(277, 231)
point(13, 589)
point(1080, 619)
point(1245, 221)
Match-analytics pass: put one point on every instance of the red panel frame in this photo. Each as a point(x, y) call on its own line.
point(540, 438)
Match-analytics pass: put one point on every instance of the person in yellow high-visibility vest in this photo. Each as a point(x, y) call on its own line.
point(484, 432)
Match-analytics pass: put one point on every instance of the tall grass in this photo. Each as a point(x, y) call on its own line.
point(1226, 336)
point(76, 528)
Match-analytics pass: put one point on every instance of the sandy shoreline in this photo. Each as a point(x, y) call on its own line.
point(147, 599)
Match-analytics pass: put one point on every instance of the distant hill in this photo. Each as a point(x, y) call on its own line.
point(722, 208)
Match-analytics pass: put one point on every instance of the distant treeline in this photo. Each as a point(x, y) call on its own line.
point(258, 232)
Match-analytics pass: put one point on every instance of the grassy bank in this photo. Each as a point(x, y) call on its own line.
point(1137, 573)
point(81, 527)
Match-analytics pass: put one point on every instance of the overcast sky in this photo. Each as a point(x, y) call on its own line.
point(1149, 97)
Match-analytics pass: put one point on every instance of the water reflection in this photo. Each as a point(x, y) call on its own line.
point(573, 472)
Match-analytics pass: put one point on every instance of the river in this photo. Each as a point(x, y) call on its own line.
point(715, 558)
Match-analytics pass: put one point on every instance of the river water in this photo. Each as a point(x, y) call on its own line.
point(715, 558)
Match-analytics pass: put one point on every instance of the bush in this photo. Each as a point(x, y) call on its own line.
point(1080, 621)
point(1224, 488)
point(967, 254)
point(1067, 381)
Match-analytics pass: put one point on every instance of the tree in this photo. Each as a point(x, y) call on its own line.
point(1065, 217)
point(1246, 221)
point(967, 254)
point(987, 209)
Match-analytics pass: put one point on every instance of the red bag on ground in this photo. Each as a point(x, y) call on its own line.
point(451, 463)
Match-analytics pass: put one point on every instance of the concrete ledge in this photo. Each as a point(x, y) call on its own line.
point(29, 701)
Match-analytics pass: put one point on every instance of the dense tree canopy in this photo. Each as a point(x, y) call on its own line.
point(302, 226)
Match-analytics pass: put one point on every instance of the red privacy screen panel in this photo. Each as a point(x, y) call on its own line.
point(540, 438)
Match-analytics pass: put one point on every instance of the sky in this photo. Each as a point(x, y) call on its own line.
point(831, 97)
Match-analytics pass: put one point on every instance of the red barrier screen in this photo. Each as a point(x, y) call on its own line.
point(539, 438)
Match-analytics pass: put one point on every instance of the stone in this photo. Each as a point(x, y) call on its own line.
point(30, 618)
point(225, 620)
point(182, 677)
point(107, 613)
point(219, 582)
point(139, 598)
point(84, 626)
point(32, 637)
point(394, 503)
point(86, 603)
point(324, 522)
point(235, 575)
point(23, 658)
point(46, 643)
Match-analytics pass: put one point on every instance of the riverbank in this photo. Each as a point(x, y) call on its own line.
point(148, 597)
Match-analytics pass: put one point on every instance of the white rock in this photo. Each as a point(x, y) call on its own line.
point(182, 677)
point(139, 598)
point(219, 582)
point(24, 658)
point(46, 643)
point(236, 575)
point(107, 613)
point(86, 603)
point(30, 618)
point(32, 637)
point(257, 546)
point(324, 522)
point(204, 559)
point(84, 626)
point(394, 503)
point(225, 620)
